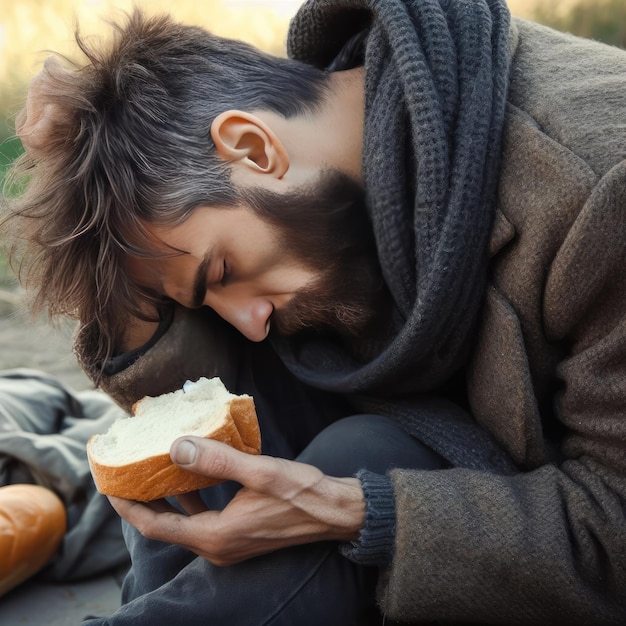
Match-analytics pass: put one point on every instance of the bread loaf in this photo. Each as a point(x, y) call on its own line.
point(131, 460)
point(33, 522)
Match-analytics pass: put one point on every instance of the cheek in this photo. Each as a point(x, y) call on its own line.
point(292, 279)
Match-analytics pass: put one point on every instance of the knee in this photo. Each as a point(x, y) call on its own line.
point(370, 442)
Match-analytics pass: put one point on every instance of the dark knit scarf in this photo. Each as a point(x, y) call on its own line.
point(436, 82)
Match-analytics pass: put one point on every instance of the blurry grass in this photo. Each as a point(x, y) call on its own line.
point(10, 148)
point(602, 20)
point(7, 277)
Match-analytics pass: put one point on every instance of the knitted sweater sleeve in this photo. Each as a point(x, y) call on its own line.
point(375, 544)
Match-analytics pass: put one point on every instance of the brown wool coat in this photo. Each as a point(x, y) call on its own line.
point(548, 373)
point(547, 376)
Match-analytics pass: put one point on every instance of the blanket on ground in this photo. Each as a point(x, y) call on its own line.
point(44, 427)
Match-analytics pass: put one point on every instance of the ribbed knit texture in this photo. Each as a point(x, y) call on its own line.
point(375, 544)
point(436, 82)
point(436, 79)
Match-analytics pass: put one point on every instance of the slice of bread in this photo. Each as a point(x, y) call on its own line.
point(131, 460)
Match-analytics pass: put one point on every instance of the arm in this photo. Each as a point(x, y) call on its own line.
point(545, 547)
point(187, 344)
point(282, 503)
point(548, 545)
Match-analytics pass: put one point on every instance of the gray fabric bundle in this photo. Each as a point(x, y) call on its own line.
point(436, 77)
point(44, 428)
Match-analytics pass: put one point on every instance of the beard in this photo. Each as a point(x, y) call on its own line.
point(325, 226)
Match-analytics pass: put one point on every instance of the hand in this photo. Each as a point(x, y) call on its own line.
point(35, 124)
point(282, 503)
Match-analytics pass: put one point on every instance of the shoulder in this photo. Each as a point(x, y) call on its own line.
point(573, 89)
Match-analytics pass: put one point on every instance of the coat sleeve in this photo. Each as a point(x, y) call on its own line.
point(188, 344)
point(548, 545)
point(545, 547)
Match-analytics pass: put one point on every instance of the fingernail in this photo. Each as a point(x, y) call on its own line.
point(185, 453)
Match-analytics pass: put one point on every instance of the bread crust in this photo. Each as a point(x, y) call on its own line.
point(32, 525)
point(157, 477)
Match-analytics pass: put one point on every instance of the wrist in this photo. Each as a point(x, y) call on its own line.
point(348, 509)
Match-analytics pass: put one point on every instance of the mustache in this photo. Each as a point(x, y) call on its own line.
point(306, 313)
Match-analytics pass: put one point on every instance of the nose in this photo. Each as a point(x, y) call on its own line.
point(250, 317)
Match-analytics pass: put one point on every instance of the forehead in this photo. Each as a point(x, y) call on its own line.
point(174, 250)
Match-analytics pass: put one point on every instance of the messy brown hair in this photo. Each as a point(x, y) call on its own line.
point(126, 142)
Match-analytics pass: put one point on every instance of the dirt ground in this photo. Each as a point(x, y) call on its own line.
point(26, 342)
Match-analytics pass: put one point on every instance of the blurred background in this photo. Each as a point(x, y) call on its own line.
point(31, 28)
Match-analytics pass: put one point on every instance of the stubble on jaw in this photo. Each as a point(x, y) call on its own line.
point(325, 227)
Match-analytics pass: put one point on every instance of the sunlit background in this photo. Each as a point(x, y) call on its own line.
point(31, 28)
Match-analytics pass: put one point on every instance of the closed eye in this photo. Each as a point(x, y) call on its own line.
point(226, 275)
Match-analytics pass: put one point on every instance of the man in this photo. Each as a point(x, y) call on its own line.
point(421, 227)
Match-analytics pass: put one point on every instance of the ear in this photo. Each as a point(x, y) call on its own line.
point(243, 138)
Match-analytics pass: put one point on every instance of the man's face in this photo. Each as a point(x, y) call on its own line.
point(304, 260)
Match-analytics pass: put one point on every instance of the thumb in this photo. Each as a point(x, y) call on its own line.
point(214, 459)
point(184, 452)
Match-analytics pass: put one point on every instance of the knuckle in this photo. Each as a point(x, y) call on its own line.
point(156, 528)
point(274, 473)
point(218, 464)
point(147, 530)
point(216, 551)
point(220, 561)
point(266, 477)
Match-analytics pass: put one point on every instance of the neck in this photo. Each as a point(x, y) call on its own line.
point(331, 136)
point(341, 120)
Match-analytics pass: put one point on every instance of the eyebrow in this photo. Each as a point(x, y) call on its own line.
point(199, 281)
